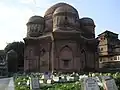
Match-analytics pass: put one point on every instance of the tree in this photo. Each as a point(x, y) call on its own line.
point(18, 47)
point(11, 58)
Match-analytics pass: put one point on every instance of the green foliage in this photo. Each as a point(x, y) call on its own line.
point(12, 61)
point(18, 48)
point(74, 85)
point(22, 85)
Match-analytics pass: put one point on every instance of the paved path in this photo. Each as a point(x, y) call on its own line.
point(7, 84)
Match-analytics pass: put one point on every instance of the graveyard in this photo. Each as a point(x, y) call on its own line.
point(74, 81)
point(61, 41)
point(61, 52)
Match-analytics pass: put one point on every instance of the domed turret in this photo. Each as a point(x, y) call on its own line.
point(35, 26)
point(65, 16)
point(87, 24)
point(36, 19)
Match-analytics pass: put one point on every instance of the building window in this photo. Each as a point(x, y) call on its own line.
point(101, 49)
point(118, 57)
point(66, 63)
point(102, 38)
point(66, 21)
point(115, 58)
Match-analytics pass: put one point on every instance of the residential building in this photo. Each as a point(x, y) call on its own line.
point(3, 64)
point(109, 50)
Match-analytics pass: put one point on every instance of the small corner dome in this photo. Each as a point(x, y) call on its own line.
point(66, 9)
point(36, 20)
point(88, 21)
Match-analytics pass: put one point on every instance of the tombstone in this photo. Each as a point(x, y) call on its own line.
point(109, 84)
point(90, 84)
point(35, 85)
point(46, 75)
point(50, 75)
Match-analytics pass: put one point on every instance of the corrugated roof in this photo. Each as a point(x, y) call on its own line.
point(107, 32)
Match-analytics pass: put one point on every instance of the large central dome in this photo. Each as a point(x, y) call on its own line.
point(55, 9)
point(51, 10)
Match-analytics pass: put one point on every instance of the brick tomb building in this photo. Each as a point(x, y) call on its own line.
point(60, 41)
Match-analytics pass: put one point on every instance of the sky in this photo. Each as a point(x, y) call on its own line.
point(15, 14)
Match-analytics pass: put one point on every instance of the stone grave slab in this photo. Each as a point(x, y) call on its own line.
point(47, 75)
point(90, 84)
point(35, 85)
point(110, 84)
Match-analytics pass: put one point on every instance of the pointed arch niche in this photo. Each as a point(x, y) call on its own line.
point(66, 58)
point(83, 59)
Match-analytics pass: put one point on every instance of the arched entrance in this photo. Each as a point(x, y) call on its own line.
point(66, 58)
